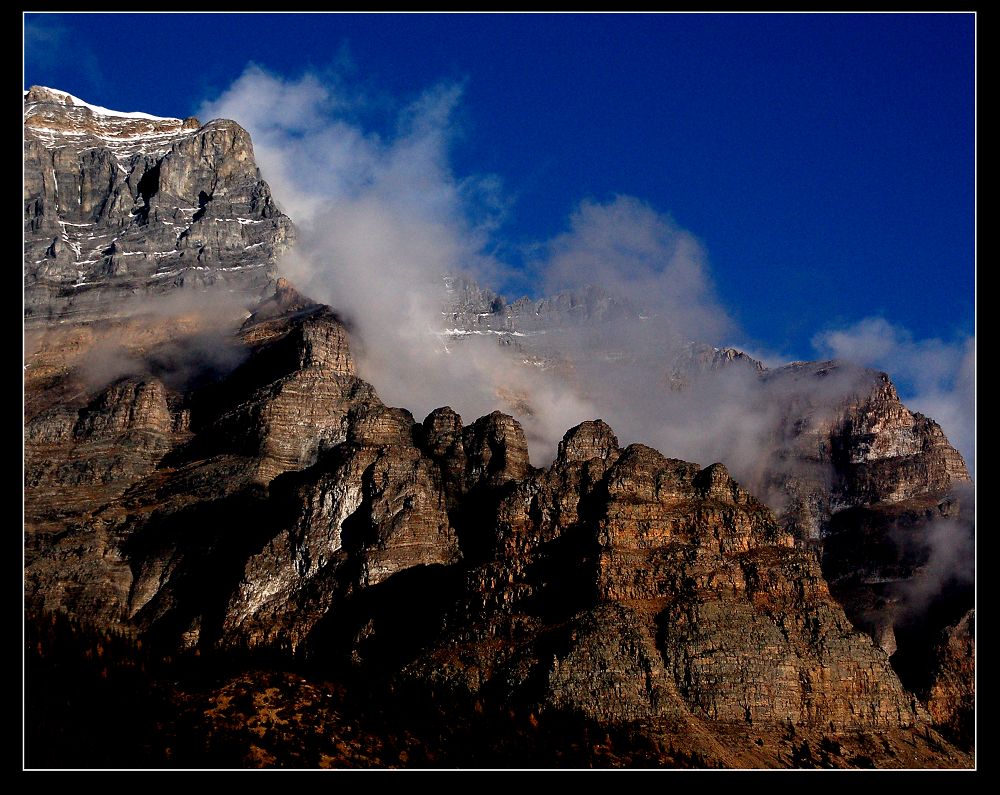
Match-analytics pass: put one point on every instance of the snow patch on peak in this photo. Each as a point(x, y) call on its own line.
point(42, 93)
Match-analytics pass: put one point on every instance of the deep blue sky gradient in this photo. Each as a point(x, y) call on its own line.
point(826, 162)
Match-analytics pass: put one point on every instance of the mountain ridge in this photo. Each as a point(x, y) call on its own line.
point(262, 498)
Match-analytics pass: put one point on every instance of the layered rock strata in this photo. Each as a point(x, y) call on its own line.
point(119, 208)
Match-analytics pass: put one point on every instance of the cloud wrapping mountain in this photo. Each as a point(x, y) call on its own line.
point(935, 377)
point(382, 217)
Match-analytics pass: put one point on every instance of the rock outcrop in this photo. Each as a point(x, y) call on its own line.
point(849, 441)
point(283, 508)
point(843, 437)
point(640, 588)
point(123, 207)
point(471, 309)
point(951, 695)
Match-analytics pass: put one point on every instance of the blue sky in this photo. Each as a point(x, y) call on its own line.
point(824, 163)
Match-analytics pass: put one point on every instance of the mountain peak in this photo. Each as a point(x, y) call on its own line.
point(121, 206)
point(43, 94)
point(57, 119)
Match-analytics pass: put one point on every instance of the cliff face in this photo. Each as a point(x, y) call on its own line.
point(119, 207)
point(951, 694)
point(864, 446)
point(837, 454)
point(617, 586)
point(225, 483)
point(833, 436)
point(886, 502)
point(285, 508)
point(638, 587)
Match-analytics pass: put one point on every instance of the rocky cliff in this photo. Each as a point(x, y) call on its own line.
point(223, 488)
point(850, 471)
point(119, 207)
point(616, 588)
point(841, 436)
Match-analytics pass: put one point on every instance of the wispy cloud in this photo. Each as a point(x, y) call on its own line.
point(43, 40)
point(647, 259)
point(382, 217)
point(946, 548)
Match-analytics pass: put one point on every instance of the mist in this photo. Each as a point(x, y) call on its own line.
point(383, 218)
point(183, 337)
point(943, 551)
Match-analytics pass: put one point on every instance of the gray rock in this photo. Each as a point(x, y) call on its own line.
point(120, 209)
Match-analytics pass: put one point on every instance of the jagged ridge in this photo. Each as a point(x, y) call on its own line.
point(274, 503)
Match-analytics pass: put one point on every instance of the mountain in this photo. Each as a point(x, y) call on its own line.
point(125, 206)
point(850, 472)
point(222, 515)
point(833, 414)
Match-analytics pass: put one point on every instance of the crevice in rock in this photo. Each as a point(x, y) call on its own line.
point(203, 200)
point(148, 187)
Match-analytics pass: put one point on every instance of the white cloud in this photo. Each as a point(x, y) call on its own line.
point(646, 258)
point(382, 217)
point(381, 220)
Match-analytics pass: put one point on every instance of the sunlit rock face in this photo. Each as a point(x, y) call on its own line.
point(120, 207)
